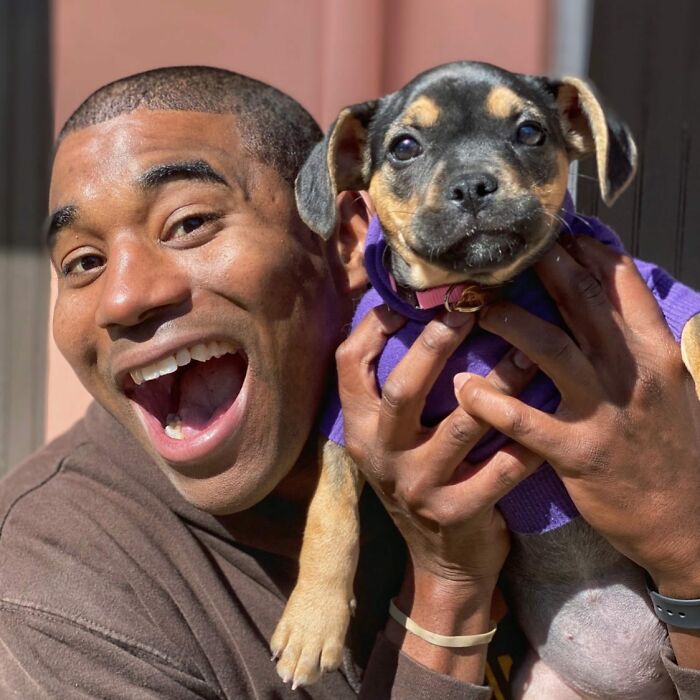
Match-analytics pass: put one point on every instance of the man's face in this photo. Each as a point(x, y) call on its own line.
point(173, 246)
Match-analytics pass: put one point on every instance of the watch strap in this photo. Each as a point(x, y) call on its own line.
point(677, 612)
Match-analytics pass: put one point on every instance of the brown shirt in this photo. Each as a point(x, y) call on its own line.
point(112, 586)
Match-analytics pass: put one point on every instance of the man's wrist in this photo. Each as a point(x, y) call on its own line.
point(448, 607)
point(679, 581)
point(445, 605)
point(682, 589)
point(459, 641)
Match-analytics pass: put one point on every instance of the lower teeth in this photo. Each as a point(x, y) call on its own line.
point(173, 428)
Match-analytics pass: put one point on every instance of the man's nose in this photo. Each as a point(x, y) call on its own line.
point(139, 281)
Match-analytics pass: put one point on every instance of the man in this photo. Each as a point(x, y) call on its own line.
point(148, 552)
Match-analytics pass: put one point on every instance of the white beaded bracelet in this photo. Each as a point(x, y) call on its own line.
point(440, 640)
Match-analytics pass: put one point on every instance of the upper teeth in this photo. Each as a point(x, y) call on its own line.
point(200, 352)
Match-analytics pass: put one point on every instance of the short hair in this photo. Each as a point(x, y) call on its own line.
point(274, 128)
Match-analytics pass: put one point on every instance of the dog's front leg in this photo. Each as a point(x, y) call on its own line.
point(310, 637)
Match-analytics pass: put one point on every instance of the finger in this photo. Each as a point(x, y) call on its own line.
point(537, 431)
point(625, 286)
point(482, 485)
point(548, 346)
point(502, 472)
point(581, 298)
point(356, 362)
point(406, 388)
point(458, 433)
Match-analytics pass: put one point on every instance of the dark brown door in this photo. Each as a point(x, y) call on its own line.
point(645, 59)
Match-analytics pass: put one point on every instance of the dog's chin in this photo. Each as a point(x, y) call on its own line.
point(483, 249)
point(488, 268)
point(492, 250)
point(479, 255)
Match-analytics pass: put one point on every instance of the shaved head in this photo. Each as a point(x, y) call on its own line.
point(275, 129)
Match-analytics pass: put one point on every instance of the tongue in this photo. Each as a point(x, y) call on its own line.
point(207, 390)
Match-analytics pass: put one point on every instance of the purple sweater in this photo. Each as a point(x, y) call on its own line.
point(539, 503)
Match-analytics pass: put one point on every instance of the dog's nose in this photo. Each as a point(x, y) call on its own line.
point(471, 190)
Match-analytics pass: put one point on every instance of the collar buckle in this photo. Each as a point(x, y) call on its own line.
point(471, 299)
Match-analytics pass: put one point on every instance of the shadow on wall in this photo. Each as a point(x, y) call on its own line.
point(25, 142)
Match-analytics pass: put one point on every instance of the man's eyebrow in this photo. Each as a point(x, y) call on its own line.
point(155, 176)
point(59, 219)
point(185, 170)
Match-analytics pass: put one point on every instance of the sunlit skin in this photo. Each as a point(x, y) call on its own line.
point(144, 270)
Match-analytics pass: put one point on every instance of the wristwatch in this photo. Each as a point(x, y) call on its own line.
point(674, 611)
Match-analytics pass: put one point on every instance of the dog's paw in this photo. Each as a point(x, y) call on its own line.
point(310, 637)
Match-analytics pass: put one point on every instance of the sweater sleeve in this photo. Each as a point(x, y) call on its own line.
point(392, 675)
point(686, 680)
point(44, 655)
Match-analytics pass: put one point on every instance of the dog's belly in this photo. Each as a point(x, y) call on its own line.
point(585, 610)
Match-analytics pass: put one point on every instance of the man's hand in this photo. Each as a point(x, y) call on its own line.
point(626, 437)
point(443, 507)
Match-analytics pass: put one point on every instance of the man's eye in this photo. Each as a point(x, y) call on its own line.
point(405, 148)
point(82, 264)
point(190, 224)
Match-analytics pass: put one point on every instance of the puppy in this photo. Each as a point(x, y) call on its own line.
point(467, 167)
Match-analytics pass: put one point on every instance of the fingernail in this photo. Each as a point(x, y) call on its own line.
point(496, 314)
point(570, 244)
point(457, 319)
point(460, 380)
point(567, 240)
point(390, 318)
point(490, 313)
point(521, 360)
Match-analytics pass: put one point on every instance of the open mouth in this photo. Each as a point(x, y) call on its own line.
point(184, 395)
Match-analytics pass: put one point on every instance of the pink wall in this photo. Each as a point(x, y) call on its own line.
point(325, 53)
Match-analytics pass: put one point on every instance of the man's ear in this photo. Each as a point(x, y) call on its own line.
point(341, 161)
point(588, 128)
point(355, 211)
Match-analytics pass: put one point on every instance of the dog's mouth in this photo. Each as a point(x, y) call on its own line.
point(473, 250)
point(496, 238)
point(483, 249)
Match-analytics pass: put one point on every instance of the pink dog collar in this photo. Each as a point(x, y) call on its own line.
point(467, 297)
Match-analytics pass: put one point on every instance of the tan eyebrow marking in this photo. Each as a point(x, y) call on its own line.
point(423, 112)
point(502, 102)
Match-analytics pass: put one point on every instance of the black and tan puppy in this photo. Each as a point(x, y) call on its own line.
point(467, 167)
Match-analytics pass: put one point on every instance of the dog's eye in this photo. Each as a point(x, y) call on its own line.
point(530, 134)
point(405, 148)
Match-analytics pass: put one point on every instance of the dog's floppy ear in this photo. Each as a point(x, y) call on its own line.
point(588, 128)
point(341, 161)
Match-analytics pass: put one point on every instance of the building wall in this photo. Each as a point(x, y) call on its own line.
point(325, 53)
